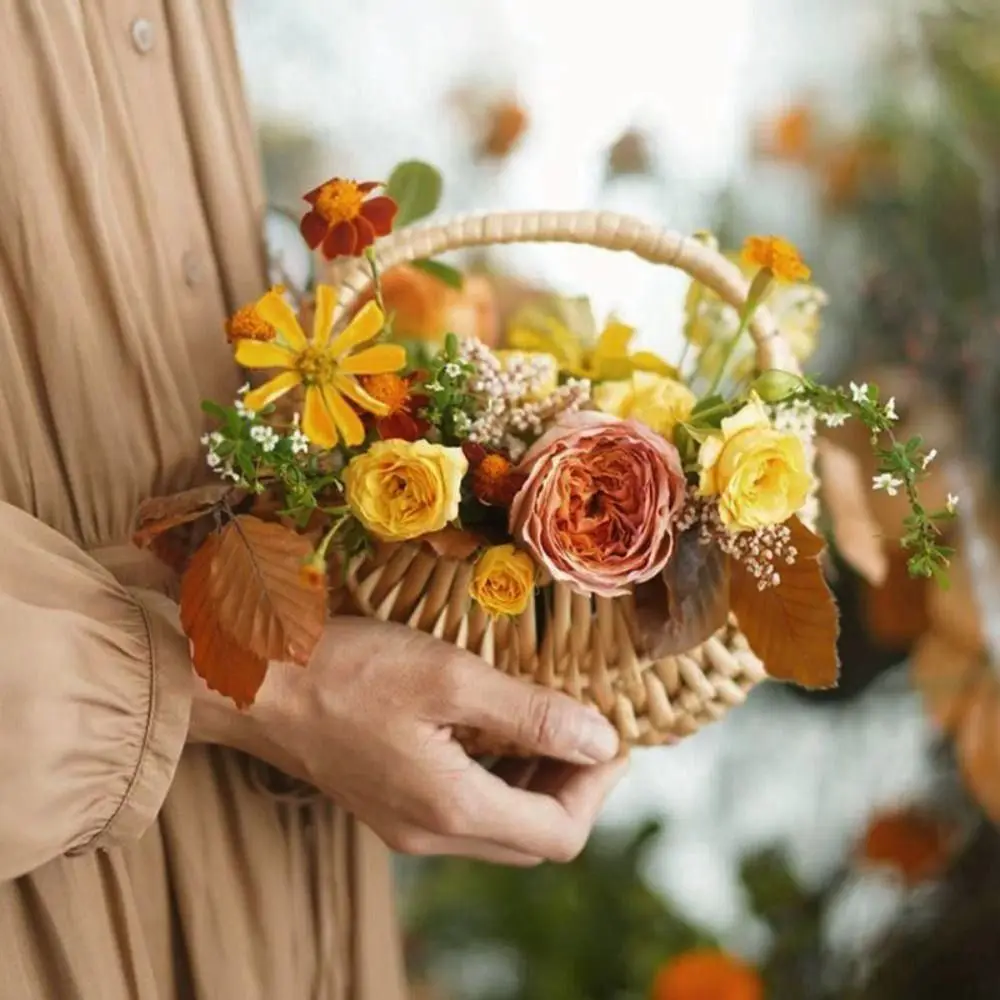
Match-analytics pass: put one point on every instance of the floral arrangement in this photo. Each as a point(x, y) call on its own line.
point(560, 457)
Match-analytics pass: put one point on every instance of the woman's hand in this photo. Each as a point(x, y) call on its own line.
point(370, 724)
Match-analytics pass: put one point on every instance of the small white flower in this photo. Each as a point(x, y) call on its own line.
point(241, 409)
point(890, 409)
point(299, 442)
point(206, 439)
point(452, 370)
point(259, 433)
point(434, 387)
point(928, 458)
point(243, 389)
point(213, 460)
point(952, 503)
point(888, 482)
point(461, 422)
point(859, 393)
point(833, 419)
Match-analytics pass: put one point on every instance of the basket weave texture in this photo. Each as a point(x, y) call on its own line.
point(585, 646)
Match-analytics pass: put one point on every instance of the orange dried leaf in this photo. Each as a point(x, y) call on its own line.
point(792, 627)
point(160, 514)
point(895, 613)
point(262, 599)
point(453, 543)
point(846, 496)
point(225, 665)
point(945, 673)
point(685, 604)
point(978, 742)
point(914, 844)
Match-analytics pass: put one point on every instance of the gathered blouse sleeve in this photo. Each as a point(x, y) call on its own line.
point(95, 697)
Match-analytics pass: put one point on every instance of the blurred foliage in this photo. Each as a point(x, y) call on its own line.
point(590, 930)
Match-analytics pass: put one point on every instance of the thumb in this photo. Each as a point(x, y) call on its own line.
point(537, 719)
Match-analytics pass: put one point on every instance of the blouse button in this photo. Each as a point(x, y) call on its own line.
point(193, 268)
point(143, 34)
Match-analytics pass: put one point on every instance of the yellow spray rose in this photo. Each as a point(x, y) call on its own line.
point(759, 474)
point(404, 489)
point(659, 402)
point(503, 580)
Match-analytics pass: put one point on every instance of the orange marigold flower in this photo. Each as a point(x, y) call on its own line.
point(495, 481)
point(402, 419)
point(313, 572)
point(776, 255)
point(248, 324)
point(343, 221)
point(390, 389)
point(914, 844)
point(705, 974)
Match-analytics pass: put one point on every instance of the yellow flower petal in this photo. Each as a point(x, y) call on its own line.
point(263, 354)
point(351, 388)
point(326, 303)
point(367, 324)
point(752, 415)
point(258, 398)
point(317, 421)
point(647, 361)
point(613, 341)
point(274, 309)
point(375, 360)
point(347, 421)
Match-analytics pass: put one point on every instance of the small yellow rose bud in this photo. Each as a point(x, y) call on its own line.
point(775, 385)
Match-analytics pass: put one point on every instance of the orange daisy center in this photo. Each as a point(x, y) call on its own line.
point(389, 389)
point(339, 201)
point(247, 324)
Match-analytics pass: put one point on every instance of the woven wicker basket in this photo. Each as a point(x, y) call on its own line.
point(584, 646)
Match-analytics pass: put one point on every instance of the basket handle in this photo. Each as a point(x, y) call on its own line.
point(605, 230)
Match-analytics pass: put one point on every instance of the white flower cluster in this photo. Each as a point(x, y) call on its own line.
point(761, 552)
point(223, 466)
point(519, 397)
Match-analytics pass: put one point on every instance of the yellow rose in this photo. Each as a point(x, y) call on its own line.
point(503, 580)
point(759, 474)
point(404, 489)
point(658, 402)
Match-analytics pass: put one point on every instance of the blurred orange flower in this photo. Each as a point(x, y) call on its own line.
point(706, 974)
point(343, 221)
point(506, 123)
point(851, 166)
point(910, 842)
point(424, 308)
point(776, 255)
point(789, 137)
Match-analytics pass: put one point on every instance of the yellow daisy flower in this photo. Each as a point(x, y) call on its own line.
point(326, 365)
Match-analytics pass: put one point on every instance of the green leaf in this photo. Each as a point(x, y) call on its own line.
point(708, 403)
point(451, 276)
point(214, 410)
point(415, 186)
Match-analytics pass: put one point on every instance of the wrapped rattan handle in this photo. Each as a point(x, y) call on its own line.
point(606, 230)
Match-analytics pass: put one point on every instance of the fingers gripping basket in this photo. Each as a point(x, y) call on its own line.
point(584, 646)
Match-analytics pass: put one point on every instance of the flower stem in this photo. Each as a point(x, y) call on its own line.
point(758, 287)
point(377, 288)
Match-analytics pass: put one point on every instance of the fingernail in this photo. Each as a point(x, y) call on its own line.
point(598, 740)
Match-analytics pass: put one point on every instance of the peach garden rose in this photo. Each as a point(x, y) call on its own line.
point(598, 506)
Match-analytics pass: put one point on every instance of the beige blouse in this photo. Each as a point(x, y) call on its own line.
point(130, 224)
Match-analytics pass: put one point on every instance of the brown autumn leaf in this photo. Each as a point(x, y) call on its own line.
point(453, 543)
point(846, 496)
point(224, 664)
point(160, 514)
point(792, 627)
point(895, 613)
point(685, 604)
point(263, 598)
